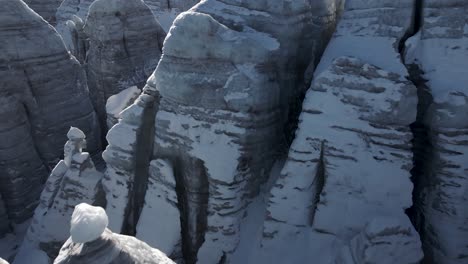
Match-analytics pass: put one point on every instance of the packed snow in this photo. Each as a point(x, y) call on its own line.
point(159, 223)
point(88, 223)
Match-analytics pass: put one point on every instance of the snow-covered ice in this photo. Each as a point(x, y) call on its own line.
point(88, 223)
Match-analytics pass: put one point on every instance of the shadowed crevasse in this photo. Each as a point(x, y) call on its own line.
point(421, 145)
point(143, 150)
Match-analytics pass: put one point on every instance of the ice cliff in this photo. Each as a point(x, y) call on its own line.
point(351, 158)
point(220, 118)
point(439, 52)
point(43, 93)
point(254, 131)
point(123, 48)
point(119, 42)
point(167, 10)
point(45, 8)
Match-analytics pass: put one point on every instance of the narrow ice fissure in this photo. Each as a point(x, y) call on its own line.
point(319, 182)
point(422, 148)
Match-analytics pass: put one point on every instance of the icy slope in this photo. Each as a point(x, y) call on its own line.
point(351, 158)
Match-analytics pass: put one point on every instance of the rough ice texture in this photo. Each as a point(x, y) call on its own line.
point(70, 18)
point(351, 158)
point(370, 28)
point(118, 102)
point(70, 8)
point(228, 80)
point(43, 93)
point(221, 119)
point(106, 248)
point(167, 10)
point(440, 50)
point(73, 181)
point(45, 8)
point(126, 153)
point(74, 11)
point(88, 223)
point(119, 41)
point(21, 187)
point(123, 49)
point(164, 5)
point(384, 240)
point(159, 223)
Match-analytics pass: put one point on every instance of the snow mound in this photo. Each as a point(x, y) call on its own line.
point(87, 223)
point(118, 102)
point(75, 134)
